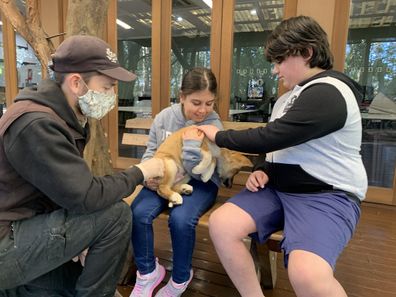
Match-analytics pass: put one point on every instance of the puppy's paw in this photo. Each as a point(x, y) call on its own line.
point(186, 189)
point(206, 176)
point(175, 199)
point(198, 169)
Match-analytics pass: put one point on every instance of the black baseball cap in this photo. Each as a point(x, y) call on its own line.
point(84, 53)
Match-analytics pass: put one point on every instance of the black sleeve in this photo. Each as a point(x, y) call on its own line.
point(319, 110)
point(260, 163)
point(43, 153)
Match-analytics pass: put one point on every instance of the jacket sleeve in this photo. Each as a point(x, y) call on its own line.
point(320, 110)
point(43, 153)
point(260, 163)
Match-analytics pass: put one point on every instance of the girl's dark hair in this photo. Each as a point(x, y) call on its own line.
point(294, 37)
point(198, 79)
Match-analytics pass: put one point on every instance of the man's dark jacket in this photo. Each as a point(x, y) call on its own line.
point(41, 163)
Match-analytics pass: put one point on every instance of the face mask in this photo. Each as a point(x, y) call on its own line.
point(95, 104)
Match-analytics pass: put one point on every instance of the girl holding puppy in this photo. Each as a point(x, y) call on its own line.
point(197, 98)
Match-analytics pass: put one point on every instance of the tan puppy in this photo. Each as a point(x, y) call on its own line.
point(174, 182)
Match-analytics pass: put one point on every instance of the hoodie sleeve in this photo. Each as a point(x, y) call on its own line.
point(192, 151)
point(43, 153)
point(152, 144)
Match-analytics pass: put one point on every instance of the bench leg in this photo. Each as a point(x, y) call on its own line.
point(265, 262)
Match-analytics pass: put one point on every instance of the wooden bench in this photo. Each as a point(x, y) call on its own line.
point(264, 255)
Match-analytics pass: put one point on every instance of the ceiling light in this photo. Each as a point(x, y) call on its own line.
point(1, 23)
point(123, 24)
point(208, 3)
point(253, 12)
point(179, 19)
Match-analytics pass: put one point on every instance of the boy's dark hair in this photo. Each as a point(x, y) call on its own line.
point(198, 79)
point(294, 37)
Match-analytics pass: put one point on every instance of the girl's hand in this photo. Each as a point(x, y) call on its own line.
point(210, 131)
point(193, 134)
point(256, 180)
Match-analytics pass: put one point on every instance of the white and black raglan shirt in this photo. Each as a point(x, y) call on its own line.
point(312, 141)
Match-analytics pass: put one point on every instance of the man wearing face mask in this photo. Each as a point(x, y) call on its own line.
point(51, 207)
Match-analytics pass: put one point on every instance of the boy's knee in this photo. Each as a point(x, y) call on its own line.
point(217, 224)
point(309, 278)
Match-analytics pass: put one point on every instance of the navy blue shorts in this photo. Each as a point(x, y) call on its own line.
point(321, 223)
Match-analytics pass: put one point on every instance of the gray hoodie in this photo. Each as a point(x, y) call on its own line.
point(170, 120)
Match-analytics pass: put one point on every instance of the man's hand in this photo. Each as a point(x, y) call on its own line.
point(152, 183)
point(81, 257)
point(210, 131)
point(256, 180)
point(152, 168)
point(193, 134)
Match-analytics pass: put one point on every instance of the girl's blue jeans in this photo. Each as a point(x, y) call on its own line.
point(182, 222)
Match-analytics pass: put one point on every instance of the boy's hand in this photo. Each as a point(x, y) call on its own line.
point(210, 131)
point(256, 180)
point(193, 134)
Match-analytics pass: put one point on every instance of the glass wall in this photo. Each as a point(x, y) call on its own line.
point(134, 53)
point(2, 72)
point(191, 23)
point(28, 66)
point(371, 60)
point(253, 88)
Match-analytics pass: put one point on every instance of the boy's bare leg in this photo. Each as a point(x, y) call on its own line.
point(232, 252)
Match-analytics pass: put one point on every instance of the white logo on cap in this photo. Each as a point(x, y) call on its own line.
point(111, 56)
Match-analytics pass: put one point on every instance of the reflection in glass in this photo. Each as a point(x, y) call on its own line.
point(2, 73)
point(28, 66)
point(191, 23)
point(253, 88)
point(134, 53)
point(371, 60)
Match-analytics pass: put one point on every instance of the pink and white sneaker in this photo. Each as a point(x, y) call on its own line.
point(145, 284)
point(173, 289)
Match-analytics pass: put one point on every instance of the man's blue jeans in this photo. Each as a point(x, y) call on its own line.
point(182, 222)
point(36, 259)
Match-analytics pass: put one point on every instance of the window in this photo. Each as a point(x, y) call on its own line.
point(2, 73)
point(134, 53)
point(191, 23)
point(253, 88)
point(371, 60)
point(28, 66)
